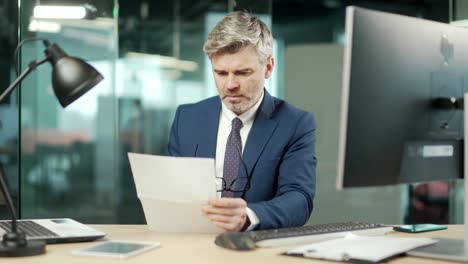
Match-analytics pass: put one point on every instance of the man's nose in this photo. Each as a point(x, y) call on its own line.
point(232, 82)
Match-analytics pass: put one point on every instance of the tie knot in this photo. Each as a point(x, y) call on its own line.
point(236, 124)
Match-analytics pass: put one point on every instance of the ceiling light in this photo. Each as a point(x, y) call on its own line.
point(59, 12)
point(44, 26)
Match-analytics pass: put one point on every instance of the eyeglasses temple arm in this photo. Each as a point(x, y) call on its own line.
point(249, 175)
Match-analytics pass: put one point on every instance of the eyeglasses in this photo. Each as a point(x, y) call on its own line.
point(241, 184)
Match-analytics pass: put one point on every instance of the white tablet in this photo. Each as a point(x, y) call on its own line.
point(117, 248)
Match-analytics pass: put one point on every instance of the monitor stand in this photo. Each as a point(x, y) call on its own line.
point(452, 249)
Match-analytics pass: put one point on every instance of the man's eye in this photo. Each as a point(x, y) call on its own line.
point(244, 73)
point(221, 73)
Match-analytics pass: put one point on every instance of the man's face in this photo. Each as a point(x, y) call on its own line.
point(240, 78)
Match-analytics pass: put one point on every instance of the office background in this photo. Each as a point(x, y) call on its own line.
point(73, 162)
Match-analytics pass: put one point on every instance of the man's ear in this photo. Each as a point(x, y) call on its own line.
point(270, 64)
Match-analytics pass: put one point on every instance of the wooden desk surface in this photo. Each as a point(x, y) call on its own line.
point(194, 248)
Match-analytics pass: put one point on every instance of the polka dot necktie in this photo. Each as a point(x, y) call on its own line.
point(232, 156)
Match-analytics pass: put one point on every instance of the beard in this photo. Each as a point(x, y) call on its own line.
point(244, 105)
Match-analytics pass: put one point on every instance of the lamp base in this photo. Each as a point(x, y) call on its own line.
point(32, 248)
point(16, 245)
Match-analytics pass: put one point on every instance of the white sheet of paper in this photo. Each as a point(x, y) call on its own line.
point(171, 216)
point(375, 248)
point(172, 191)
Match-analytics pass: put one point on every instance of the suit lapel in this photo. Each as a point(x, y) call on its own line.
point(260, 133)
point(208, 148)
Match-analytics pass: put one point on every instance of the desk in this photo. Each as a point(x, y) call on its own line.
point(193, 248)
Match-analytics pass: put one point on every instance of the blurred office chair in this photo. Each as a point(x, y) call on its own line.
point(428, 203)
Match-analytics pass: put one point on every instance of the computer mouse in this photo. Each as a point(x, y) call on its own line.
point(235, 241)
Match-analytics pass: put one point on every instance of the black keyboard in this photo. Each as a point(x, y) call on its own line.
point(297, 235)
point(30, 228)
point(310, 230)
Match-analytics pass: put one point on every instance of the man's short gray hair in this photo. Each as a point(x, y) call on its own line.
point(239, 30)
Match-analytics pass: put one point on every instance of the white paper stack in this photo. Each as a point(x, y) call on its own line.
point(172, 191)
point(360, 248)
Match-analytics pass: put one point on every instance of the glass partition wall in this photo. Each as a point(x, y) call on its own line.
point(69, 156)
point(73, 161)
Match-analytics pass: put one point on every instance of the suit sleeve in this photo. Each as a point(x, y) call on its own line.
point(293, 202)
point(173, 147)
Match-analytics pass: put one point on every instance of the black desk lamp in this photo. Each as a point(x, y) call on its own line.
point(71, 78)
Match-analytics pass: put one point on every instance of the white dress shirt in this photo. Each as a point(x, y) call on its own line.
point(224, 129)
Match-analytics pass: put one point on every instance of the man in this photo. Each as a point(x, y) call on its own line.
point(264, 147)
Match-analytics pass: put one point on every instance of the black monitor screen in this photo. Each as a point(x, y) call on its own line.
point(401, 117)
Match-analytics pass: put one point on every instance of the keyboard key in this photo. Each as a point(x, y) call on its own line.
point(30, 228)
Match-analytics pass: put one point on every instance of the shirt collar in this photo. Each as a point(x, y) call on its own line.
point(246, 117)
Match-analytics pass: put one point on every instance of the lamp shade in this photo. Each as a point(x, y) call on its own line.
point(71, 77)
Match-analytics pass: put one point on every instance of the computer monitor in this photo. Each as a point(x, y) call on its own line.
point(401, 119)
point(402, 112)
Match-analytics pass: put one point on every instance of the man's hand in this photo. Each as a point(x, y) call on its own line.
point(229, 214)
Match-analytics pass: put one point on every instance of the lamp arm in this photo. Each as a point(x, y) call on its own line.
point(6, 194)
point(32, 65)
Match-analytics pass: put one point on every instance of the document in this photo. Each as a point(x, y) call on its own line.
point(172, 191)
point(355, 248)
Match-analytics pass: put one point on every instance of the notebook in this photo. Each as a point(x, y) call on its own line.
point(59, 230)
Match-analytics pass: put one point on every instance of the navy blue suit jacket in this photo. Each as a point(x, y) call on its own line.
point(279, 154)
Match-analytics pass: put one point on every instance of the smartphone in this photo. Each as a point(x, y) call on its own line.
point(418, 228)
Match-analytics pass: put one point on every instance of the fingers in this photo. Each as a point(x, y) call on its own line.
point(227, 213)
point(228, 223)
point(225, 206)
point(224, 218)
point(227, 202)
point(223, 211)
